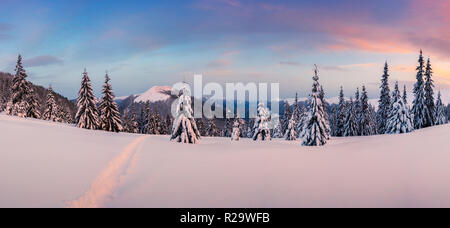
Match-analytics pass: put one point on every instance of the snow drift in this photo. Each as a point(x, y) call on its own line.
point(45, 164)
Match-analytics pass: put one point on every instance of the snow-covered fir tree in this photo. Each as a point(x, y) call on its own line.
point(277, 131)
point(373, 120)
point(261, 127)
point(325, 111)
point(109, 113)
point(168, 123)
point(286, 116)
point(350, 123)
point(333, 120)
point(184, 126)
point(399, 120)
point(87, 114)
point(429, 96)
point(314, 131)
point(296, 109)
point(364, 115)
point(33, 109)
point(201, 126)
point(157, 126)
point(227, 127)
point(290, 133)
point(341, 114)
point(51, 109)
point(419, 108)
point(145, 118)
point(134, 126)
point(236, 134)
point(250, 130)
point(126, 121)
point(357, 109)
point(212, 128)
point(441, 117)
point(384, 103)
point(21, 91)
point(405, 97)
point(302, 121)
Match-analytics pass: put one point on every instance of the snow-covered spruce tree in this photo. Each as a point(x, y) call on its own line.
point(429, 97)
point(61, 114)
point(144, 118)
point(201, 126)
point(341, 114)
point(296, 110)
point(441, 118)
point(134, 126)
point(212, 128)
point(126, 123)
point(236, 134)
point(227, 128)
point(286, 116)
point(250, 129)
point(168, 123)
point(373, 120)
point(302, 122)
point(33, 109)
point(261, 127)
point(184, 127)
point(419, 109)
point(384, 103)
point(20, 91)
point(109, 113)
point(357, 109)
point(87, 114)
point(157, 122)
point(350, 125)
point(405, 96)
point(399, 120)
point(325, 111)
point(365, 118)
point(290, 134)
point(315, 129)
point(51, 109)
point(277, 131)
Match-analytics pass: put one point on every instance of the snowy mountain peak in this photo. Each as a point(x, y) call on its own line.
point(154, 94)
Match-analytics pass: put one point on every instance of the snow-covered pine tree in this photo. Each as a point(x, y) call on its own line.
point(109, 113)
point(168, 123)
point(399, 120)
point(87, 114)
point(33, 109)
point(126, 122)
point(134, 126)
point(250, 125)
point(429, 96)
point(212, 128)
point(373, 120)
point(201, 126)
point(51, 109)
point(365, 118)
point(277, 132)
point(61, 114)
point(184, 127)
point(405, 96)
point(325, 111)
point(68, 116)
point(227, 127)
point(357, 110)
point(286, 116)
point(419, 109)
point(20, 91)
point(350, 125)
point(261, 127)
point(302, 122)
point(296, 110)
point(157, 122)
point(236, 134)
point(384, 103)
point(441, 117)
point(341, 114)
point(314, 131)
point(290, 134)
point(333, 120)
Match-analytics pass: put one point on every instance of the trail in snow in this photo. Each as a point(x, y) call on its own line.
point(109, 179)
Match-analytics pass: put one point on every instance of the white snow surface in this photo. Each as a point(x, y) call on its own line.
point(44, 164)
point(154, 94)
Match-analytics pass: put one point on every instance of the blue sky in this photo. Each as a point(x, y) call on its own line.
point(147, 43)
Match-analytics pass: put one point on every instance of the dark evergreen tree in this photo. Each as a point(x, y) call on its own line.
point(110, 115)
point(87, 114)
point(405, 96)
point(20, 92)
point(168, 123)
point(134, 126)
point(201, 126)
point(419, 108)
point(296, 111)
point(384, 103)
point(399, 120)
point(357, 109)
point(430, 113)
point(212, 129)
point(33, 109)
point(287, 116)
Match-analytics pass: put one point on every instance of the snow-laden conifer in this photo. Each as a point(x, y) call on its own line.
point(21, 90)
point(261, 127)
point(430, 114)
point(236, 134)
point(87, 114)
point(314, 131)
point(109, 113)
point(399, 120)
point(184, 126)
point(51, 109)
point(350, 125)
point(419, 108)
point(290, 131)
point(384, 103)
point(441, 118)
point(341, 114)
point(366, 121)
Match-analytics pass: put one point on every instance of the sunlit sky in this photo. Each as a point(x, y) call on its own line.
point(147, 43)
